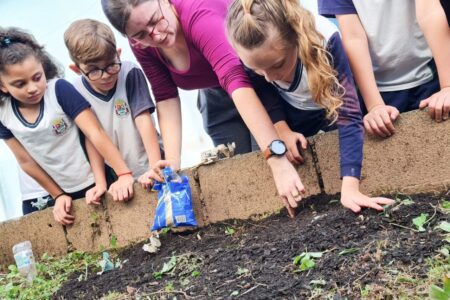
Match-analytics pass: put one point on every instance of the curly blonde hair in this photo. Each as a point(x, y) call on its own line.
point(247, 27)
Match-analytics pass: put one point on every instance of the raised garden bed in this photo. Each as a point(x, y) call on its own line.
point(374, 255)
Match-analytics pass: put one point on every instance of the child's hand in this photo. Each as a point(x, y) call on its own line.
point(438, 105)
point(122, 189)
point(353, 199)
point(147, 179)
point(161, 164)
point(287, 181)
point(61, 210)
point(379, 121)
point(293, 141)
point(94, 195)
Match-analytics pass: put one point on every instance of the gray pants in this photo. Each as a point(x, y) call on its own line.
point(222, 121)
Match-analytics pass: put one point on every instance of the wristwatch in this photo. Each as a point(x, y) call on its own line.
point(276, 148)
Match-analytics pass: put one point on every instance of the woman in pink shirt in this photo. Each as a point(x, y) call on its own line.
point(183, 44)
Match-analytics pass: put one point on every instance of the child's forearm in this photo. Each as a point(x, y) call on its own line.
point(432, 20)
point(32, 168)
point(169, 118)
point(97, 164)
point(356, 46)
point(149, 137)
point(93, 131)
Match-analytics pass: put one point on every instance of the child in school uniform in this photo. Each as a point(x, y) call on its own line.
point(433, 17)
point(389, 56)
point(39, 115)
point(119, 96)
point(302, 56)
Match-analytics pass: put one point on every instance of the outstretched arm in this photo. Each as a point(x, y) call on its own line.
point(380, 117)
point(61, 211)
point(433, 22)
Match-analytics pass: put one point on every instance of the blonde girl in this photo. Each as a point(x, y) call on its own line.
point(302, 56)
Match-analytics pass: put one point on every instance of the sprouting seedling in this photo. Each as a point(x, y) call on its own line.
point(113, 242)
point(305, 261)
point(438, 293)
point(229, 231)
point(420, 221)
point(242, 271)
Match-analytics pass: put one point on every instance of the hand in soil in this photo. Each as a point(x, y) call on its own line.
point(122, 189)
point(94, 195)
point(288, 183)
point(353, 199)
point(61, 211)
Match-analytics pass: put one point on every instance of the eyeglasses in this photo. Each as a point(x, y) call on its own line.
point(160, 25)
point(96, 74)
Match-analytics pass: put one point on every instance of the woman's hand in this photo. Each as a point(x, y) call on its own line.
point(122, 189)
point(61, 210)
point(353, 199)
point(288, 183)
point(379, 121)
point(94, 195)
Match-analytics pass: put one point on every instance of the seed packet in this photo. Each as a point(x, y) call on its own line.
point(174, 208)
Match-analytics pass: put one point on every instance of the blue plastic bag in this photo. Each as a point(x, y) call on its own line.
point(174, 206)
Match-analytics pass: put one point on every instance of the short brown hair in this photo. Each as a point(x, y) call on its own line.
point(89, 40)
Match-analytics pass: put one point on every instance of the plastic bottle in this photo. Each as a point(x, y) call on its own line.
point(23, 254)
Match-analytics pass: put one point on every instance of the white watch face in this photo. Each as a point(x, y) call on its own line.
point(278, 148)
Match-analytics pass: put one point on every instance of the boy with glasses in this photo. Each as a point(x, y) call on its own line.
point(119, 96)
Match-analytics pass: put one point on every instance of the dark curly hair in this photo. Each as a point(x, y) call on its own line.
point(16, 45)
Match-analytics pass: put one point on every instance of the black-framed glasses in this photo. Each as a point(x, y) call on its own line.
point(161, 25)
point(96, 74)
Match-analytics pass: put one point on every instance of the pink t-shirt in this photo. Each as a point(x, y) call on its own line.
point(213, 62)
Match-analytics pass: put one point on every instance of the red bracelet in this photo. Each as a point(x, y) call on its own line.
point(126, 173)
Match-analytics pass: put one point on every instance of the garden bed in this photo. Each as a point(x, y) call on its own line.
point(371, 254)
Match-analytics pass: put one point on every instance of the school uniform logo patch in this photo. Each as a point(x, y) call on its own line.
point(121, 108)
point(59, 126)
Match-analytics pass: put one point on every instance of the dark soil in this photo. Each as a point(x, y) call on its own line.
point(256, 261)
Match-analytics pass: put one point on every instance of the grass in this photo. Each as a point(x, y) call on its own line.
point(52, 273)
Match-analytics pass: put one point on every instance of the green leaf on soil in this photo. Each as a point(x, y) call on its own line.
point(407, 201)
point(113, 242)
point(348, 251)
point(438, 293)
point(305, 261)
point(164, 231)
point(420, 221)
point(229, 231)
point(234, 294)
point(446, 205)
point(195, 273)
point(169, 287)
point(241, 271)
point(444, 226)
point(168, 266)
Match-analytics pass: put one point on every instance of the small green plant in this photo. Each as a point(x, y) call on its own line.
point(348, 251)
point(229, 231)
point(242, 271)
point(195, 273)
point(305, 261)
point(420, 221)
point(51, 274)
point(167, 267)
point(164, 231)
point(113, 242)
point(438, 293)
point(444, 226)
point(169, 287)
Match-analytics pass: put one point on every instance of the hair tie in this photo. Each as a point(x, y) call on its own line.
point(6, 42)
point(247, 12)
